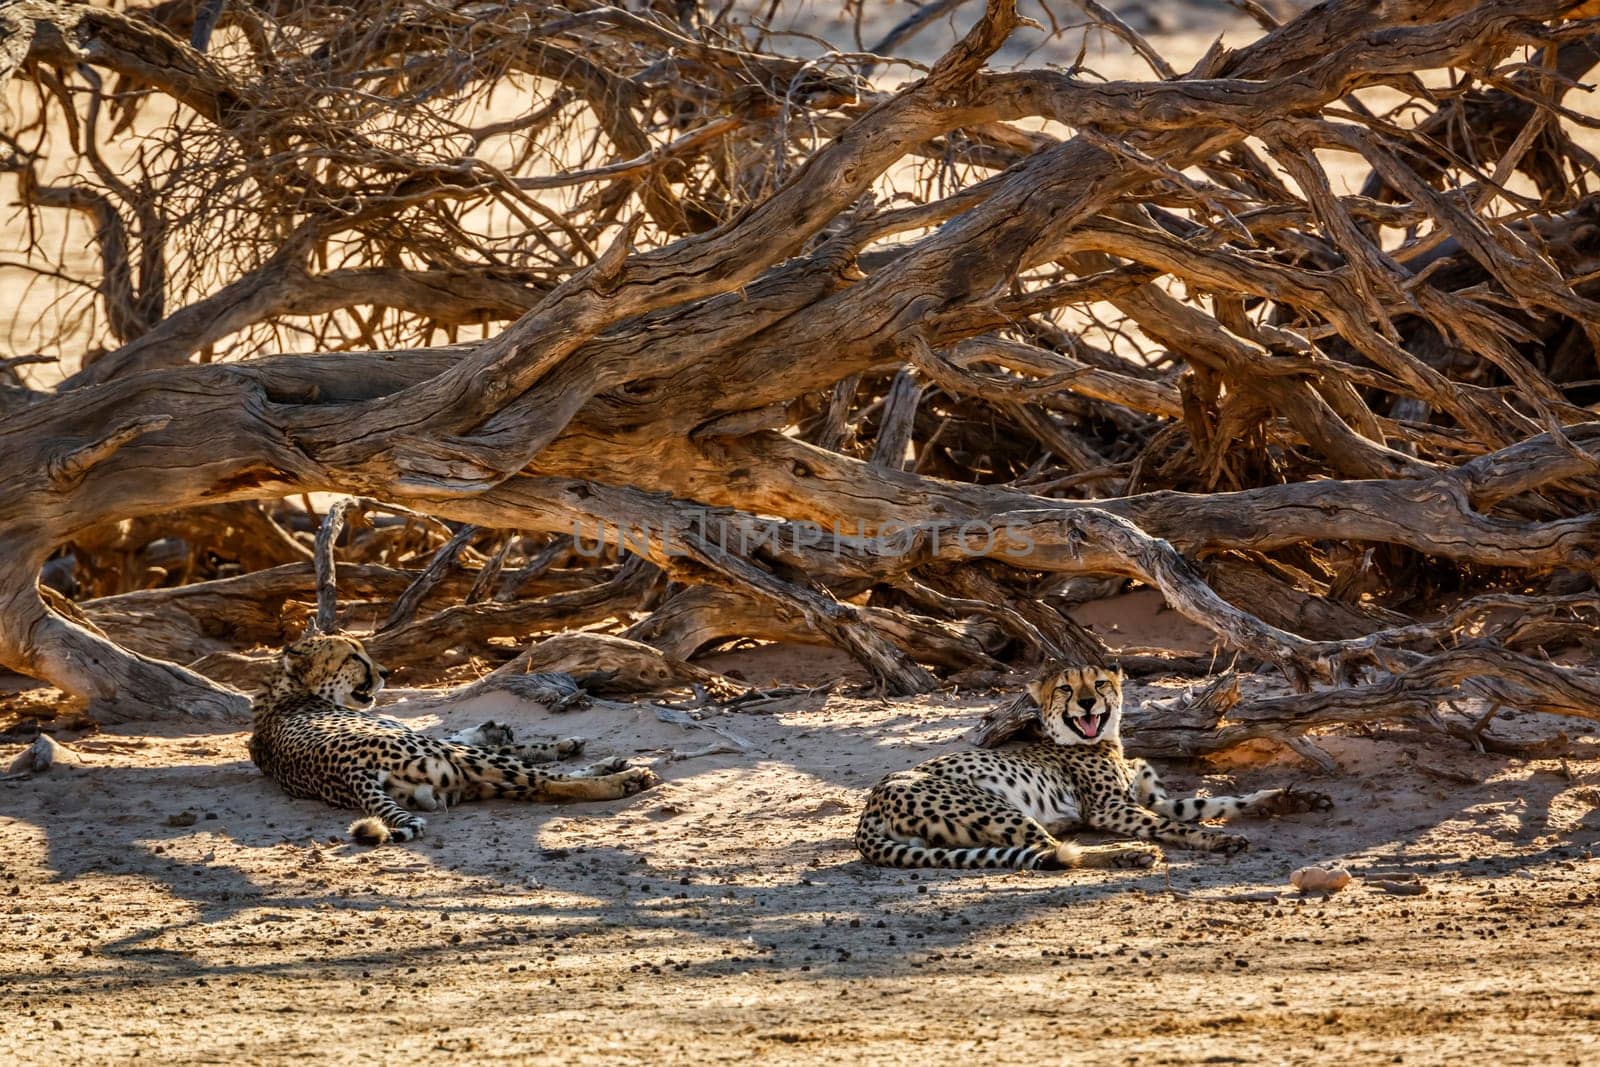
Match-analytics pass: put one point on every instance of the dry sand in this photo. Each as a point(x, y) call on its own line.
point(725, 915)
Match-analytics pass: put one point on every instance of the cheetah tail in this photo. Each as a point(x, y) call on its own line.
point(369, 831)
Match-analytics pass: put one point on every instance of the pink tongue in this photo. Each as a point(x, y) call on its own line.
point(1089, 725)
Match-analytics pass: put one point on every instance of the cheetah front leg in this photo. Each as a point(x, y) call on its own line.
point(493, 737)
point(551, 751)
point(610, 767)
point(1150, 793)
point(600, 768)
point(1120, 815)
point(586, 785)
point(493, 775)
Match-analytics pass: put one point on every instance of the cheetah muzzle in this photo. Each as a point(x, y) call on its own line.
point(1012, 808)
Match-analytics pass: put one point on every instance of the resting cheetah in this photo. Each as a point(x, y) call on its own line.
point(988, 808)
point(311, 735)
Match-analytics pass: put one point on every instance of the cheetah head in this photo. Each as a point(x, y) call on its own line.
point(334, 666)
point(1079, 705)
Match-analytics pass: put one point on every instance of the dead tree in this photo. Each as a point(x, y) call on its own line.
point(834, 357)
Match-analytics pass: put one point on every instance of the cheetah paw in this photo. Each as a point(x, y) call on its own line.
point(635, 779)
point(1121, 855)
point(485, 735)
point(609, 765)
point(1307, 800)
point(1293, 801)
point(567, 747)
point(1228, 844)
point(1137, 856)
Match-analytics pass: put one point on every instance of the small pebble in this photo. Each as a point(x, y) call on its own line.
point(1320, 879)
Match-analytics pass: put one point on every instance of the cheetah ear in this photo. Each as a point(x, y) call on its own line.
point(1036, 691)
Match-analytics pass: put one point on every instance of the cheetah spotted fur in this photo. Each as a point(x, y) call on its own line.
point(1011, 809)
point(311, 733)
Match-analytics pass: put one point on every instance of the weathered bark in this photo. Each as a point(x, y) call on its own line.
point(813, 428)
point(701, 618)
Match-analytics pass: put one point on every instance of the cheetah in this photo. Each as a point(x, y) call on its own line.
point(1011, 809)
point(311, 733)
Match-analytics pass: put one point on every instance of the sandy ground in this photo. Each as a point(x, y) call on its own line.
point(724, 914)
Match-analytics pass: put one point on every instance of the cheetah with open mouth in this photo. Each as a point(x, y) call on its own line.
point(1010, 809)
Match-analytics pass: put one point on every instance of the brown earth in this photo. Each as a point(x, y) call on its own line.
point(724, 914)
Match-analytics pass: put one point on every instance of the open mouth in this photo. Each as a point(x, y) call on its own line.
point(362, 694)
point(1088, 726)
